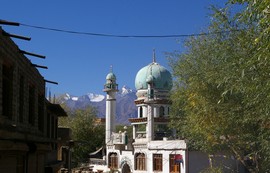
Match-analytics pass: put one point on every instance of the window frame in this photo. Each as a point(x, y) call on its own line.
point(140, 162)
point(31, 104)
point(174, 167)
point(140, 112)
point(157, 162)
point(113, 161)
point(7, 90)
point(161, 111)
point(21, 98)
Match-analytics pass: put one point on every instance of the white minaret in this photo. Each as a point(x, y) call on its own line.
point(150, 100)
point(111, 87)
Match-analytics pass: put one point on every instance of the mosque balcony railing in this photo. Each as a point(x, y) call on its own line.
point(119, 138)
point(161, 119)
point(140, 137)
point(157, 100)
point(138, 120)
point(140, 134)
point(144, 120)
point(110, 87)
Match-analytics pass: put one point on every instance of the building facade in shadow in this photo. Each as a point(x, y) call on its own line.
point(28, 121)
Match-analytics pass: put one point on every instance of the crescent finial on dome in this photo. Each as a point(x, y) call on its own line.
point(111, 68)
point(154, 55)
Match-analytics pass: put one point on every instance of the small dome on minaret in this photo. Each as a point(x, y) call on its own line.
point(111, 76)
point(110, 84)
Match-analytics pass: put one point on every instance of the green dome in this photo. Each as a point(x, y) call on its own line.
point(111, 76)
point(156, 74)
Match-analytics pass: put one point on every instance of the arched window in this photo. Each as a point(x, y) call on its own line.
point(140, 161)
point(113, 161)
point(161, 111)
point(140, 112)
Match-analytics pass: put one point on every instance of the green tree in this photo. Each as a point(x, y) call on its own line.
point(88, 135)
point(221, 96)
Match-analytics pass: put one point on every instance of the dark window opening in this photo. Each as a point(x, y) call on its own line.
point(141, 112)
point(31, 118)
point(151, 93)
point(161, 131)
point(161, 111)
point(55, 132)
point(21, 164)
point(41, 112)
point(7, 91)
point(52, 127)
point(48, 125)
point(21, 99)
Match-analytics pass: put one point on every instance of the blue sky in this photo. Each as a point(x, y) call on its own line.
point(80, 63)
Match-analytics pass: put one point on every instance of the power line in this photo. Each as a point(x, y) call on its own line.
point(114, 35)
point(125, 36)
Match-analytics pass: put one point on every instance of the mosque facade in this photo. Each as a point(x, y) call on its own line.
point(154, 147)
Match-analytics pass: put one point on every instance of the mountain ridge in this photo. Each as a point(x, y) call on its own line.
point(125, 106)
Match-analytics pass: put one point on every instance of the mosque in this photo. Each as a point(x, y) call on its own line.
point(154, 147)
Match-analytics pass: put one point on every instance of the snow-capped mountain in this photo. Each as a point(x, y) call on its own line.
point(125, 90)
point(89, 96)
point(125, 107)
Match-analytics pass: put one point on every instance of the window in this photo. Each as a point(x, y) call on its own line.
point(7, 91)
point(140, 112)
point(21, 99)
point(56, 125)
point(52, 127)
point(151, 93)
point(157, 162)
point(48, 124)
point(113, 161)
point(31, 102)
point(161, 111)
point(140, 131)
point(21, 164)
point(174, 163)
point(140, 161)
point(41, 112)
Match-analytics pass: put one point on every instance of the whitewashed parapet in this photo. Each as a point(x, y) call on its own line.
point(167, 145)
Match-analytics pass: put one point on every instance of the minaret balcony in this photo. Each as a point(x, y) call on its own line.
point(138, 120)
point(152, 101)
point(144, 120)
point(110, 87)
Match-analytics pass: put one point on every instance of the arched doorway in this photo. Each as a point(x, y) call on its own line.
point(126, 168)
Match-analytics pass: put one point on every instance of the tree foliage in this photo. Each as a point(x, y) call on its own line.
point(221, 99)
point(86, 134)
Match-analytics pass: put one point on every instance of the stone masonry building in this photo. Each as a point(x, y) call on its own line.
point(28, 121)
